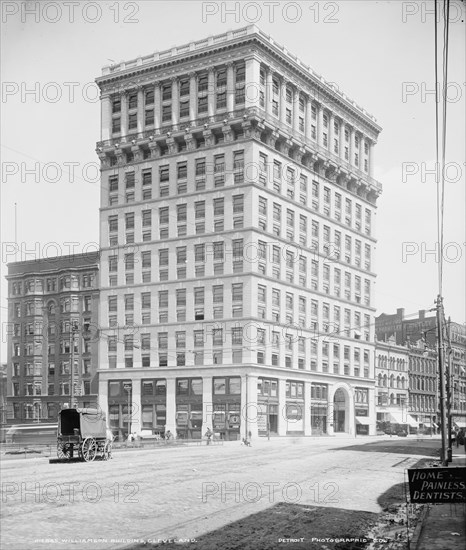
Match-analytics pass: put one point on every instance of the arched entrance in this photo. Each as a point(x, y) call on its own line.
point(340, 411)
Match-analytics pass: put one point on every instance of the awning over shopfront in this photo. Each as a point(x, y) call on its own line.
point(460, 423)
point(362, 420)
point(397, 417)
point(412, 422)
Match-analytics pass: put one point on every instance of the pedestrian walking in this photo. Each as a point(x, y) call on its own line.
point(168, 435)
point(209, 435)
point(459, 437)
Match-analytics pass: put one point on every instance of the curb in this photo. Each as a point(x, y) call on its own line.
point(413, 543)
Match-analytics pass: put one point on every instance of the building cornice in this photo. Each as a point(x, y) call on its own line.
point(168, 63)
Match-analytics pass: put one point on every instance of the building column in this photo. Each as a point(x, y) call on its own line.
point(175, 101)
point(211, 93)
point(295, 117)
point(136, 410)
point(230, 87)
point(282, 106)
point(157, 105)
point(350, 422)
point(171, 406)
point(105, 118)
point(341, 145)
point(352, 149)
point(371, 158)
point(124, 115)
point(307, 409)
point(252, 82)
point(308, 121)
point(331, 132)
point(269, 92)
point(249, 408)
point(207, 405)
point(320, 125)
point(330, 410)
point(192, 97)
point(361, 152)
point(282, 420)
point(141, 109)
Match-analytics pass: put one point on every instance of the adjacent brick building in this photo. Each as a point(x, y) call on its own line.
point(51, 301)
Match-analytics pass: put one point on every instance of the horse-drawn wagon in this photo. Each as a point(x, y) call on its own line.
point(83, 433)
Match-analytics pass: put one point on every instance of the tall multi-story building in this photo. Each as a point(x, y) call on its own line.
point(53, 306)
point(237, 240)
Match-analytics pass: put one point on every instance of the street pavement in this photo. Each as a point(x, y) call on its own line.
point(181, 493)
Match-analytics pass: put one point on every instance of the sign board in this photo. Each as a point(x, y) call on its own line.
point(234, 421)
point(262, 422)
point(437, 485)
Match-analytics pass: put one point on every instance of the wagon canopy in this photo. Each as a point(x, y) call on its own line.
point(89, 422)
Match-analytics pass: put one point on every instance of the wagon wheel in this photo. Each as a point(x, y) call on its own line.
point(89, 449)
point(63, 449)
point(107, 451)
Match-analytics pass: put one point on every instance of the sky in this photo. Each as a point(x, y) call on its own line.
point(381, 54)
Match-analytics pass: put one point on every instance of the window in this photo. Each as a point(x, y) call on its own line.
point(217, 336)
point(237, 336)
point(112, 303)
point(237, 292)
point(129, 262)
point(163, 298)
point(181, 212)
point(238, 203)
point(112, 223)
point(261, 293)
point(217, 293)
point(262, 206)
point(181, 254)
point(182, 170)
point(199, 253)
point(164, 173)
point(199, 209)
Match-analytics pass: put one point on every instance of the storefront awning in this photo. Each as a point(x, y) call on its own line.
point(397, 417)
point(460, 423)
point(412, 422)
point(428, 425)
point(362, 420)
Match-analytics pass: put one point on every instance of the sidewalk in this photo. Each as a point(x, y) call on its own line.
point(444, 525)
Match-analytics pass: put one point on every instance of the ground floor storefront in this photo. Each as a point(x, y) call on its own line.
point(235, 403)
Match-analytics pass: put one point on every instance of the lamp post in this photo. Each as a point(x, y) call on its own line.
point(127, 387)
point(73, 329)
point(268, 419)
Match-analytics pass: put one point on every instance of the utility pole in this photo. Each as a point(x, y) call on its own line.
point(449, 389)
point(246, 408)
point(442, 388)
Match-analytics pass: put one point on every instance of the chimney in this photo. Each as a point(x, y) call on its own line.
point(400, 312)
